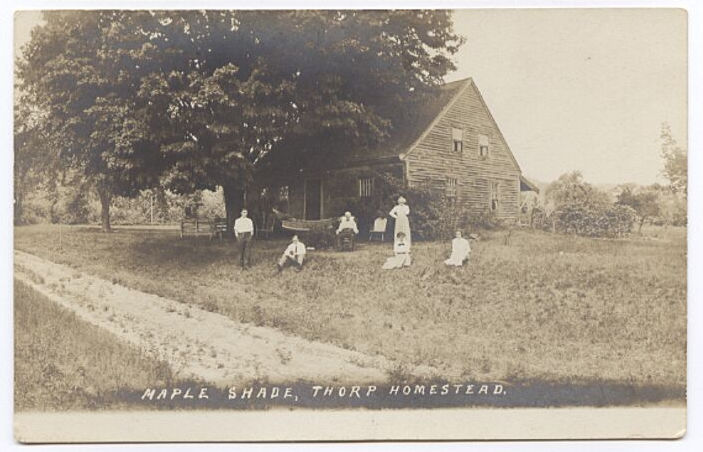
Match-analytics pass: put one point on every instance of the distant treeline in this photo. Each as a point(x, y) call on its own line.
point(73, 205)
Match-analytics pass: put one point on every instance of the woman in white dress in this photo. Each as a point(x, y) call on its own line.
point(400, 213)
point(460, 251)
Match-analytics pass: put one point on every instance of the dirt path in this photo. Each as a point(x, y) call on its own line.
point(195, 342)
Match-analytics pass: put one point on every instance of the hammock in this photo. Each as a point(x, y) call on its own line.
point(293, 224)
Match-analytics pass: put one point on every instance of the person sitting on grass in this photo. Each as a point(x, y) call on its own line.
point(401, 251)
point(460, 251)
point(347, 228)
point(293, 255)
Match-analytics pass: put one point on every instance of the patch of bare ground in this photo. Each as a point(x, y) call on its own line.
point(197, 343)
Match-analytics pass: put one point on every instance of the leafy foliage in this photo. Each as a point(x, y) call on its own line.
point(257, 90)
point(433, 216)
point(612, 221)
point(675, 161)
point(200, 99)
point(580, 208)
point(33, 163)
point(81, 70)
point(645, 202)
point(570, 189)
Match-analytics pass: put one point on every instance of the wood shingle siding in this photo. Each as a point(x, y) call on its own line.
point(433, 157)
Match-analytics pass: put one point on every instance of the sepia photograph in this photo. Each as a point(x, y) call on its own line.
point(255, 225)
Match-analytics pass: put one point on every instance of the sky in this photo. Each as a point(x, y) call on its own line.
point(578, 89)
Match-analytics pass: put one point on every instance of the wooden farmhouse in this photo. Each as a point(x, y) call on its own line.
point(453, 144)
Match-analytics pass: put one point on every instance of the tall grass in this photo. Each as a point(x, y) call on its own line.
point(62, 362)
point(545, 306)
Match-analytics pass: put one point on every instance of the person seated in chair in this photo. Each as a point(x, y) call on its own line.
point(347, 228)
point(293, 255)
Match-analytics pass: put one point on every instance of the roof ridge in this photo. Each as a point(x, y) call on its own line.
point(466, 83)
point(457, 82)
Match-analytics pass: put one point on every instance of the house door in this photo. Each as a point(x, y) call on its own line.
point(313, 199)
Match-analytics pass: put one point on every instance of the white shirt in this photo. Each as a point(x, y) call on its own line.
point(295, 249)
point(347, 224)
point(242, 225)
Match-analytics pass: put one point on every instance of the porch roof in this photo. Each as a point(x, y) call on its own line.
point(527, 185)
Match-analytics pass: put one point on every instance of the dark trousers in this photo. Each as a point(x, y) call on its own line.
point(296, 261)
point(244, 244)
point(345, 234)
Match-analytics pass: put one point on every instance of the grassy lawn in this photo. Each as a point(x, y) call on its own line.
point(544, 306)
point(64, 363)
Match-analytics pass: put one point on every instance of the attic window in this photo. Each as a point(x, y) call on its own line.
point(483, 146)
point(457, 140)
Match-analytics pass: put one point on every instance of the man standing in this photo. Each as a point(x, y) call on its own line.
point(243, 232)
point(293, 255)
point(347, 227)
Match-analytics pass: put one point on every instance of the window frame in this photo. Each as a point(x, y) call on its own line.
point(457, 139)
point(494, 195)
point(284, 193)
point(366, 187)
point(484, 146)
point(451, 190)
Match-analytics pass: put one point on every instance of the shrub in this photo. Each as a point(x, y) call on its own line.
point(485, 220)
point(612, 221)
point(580, 208)
point(618, 220)
point(433, 216)
point(77, 209)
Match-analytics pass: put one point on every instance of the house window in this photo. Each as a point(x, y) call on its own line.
point(283, 193)
point(451, 190)
point(457, 140)
point(483, 146)
point(365, 187)
point(494, 196)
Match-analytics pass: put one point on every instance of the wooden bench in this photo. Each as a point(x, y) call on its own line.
point(219, 228)
point(200, 227)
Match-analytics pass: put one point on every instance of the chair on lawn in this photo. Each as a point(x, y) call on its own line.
point(379, 228)
point(218, 228)
point(345, 240)
point(194, 227)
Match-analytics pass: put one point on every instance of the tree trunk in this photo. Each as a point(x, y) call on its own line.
point(639, 231)
point(105, 198)
point(18, 212)
point(234, 202)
